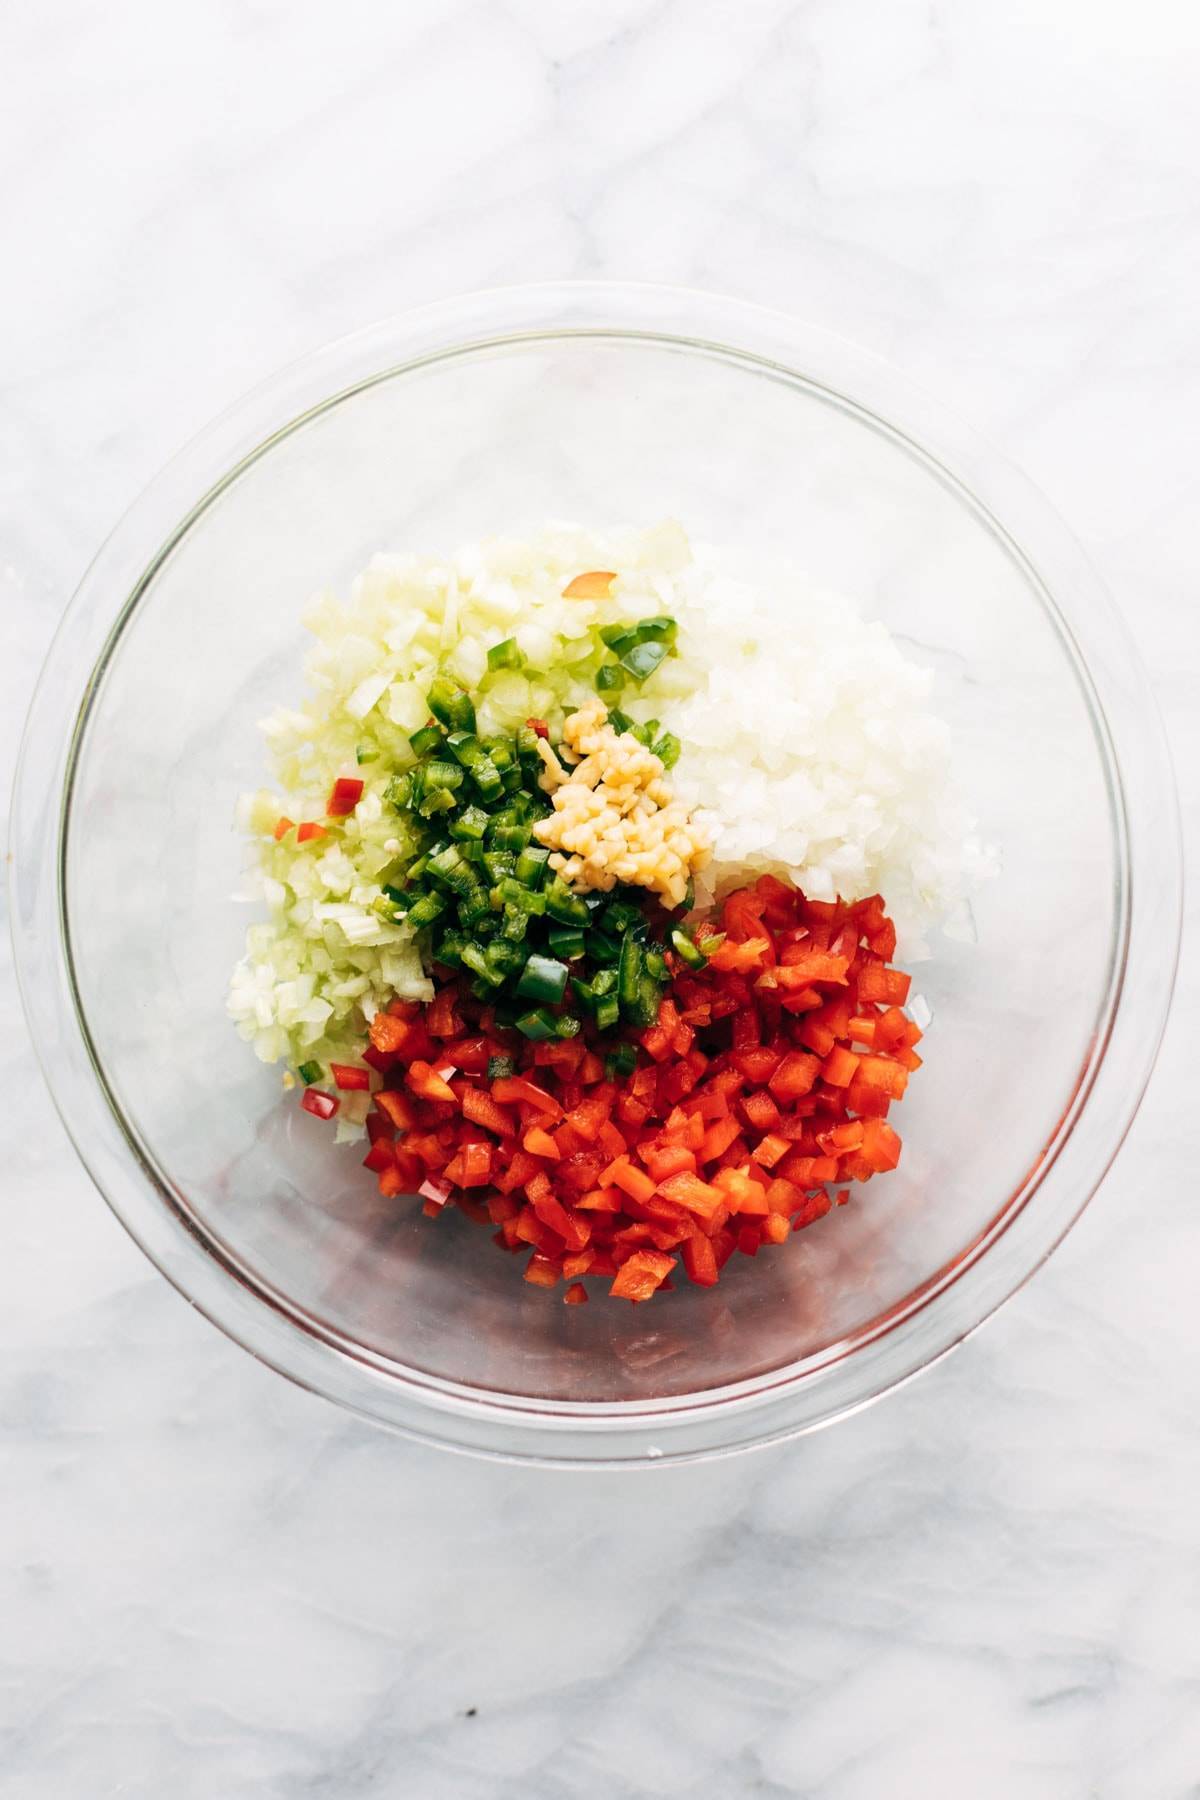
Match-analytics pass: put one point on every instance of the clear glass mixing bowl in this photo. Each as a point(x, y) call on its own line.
point(602, 404)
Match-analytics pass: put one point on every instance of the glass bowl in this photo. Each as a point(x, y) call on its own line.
point(602, 404)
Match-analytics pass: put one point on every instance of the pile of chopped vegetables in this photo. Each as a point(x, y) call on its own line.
point(768, 1072)
point(515, 930)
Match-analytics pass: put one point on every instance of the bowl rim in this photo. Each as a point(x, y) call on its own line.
point(941, 1311)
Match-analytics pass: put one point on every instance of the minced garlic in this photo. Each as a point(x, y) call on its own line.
point(614, 816)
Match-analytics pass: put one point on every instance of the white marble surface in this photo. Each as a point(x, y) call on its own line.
point(989, 1585)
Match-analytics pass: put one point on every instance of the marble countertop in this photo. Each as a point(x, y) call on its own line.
point(213, 1585)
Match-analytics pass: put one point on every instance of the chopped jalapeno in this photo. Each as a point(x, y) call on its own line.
point(505, 656)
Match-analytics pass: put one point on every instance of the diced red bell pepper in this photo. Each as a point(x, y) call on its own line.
point(881, 1146)
point(540, 1143)
point(519, 1168)
point(783, 1196)
point(839, 1067)
point(350, 1079)
point(442, 1018)
point(814, 1208)
point(699, 1197)
point(603, 1173)
point(282, 828)
point(760, 1111)
point(574, 1231)
point(588, 1117)
point(380, 1128)
point(634, 1182)
point(541, 1272)
point(887, 986)
point(749, 1240)
point(309, 830)
point(481, 1109)
point(389, 1034)
point(397, 1109)
point(741, 958)
point(601, 1199)
point(880, 1072)
point(758, 1065)
point(576, 1294)
point(807, 967)
point(641, 1274)
point(663, 1160)
point(794, 1077)
point(427, 1083)
point(509, 1089)
point(344, 797)
point(380, 1156)
point(477, 1165)
point(699, 1260)
point(770, 1150)
point(320, 1104)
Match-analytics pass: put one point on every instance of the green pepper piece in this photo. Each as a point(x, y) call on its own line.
point(514, 925)
point(649, 998)
point(473, 958)
point(449, 868)
point(426, 739)
point(531, 865)
point(686, 950)
point(449, 949)
point(543, 979)
point(537, 1024)
point(470, 824)
point(429, 907)
point(659, 629)
point(566, 940)
point(500, 1068)
point(515, 893)
point(440, 774)
point(607, 1012)
point(565, 906)
point(505, 955)
point(309, 1072)
point(399, 792)
point(642, 659)
point(629, 972)
point(451, 704)
point(506, 655)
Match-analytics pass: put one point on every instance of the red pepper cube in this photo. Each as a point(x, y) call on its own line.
point(320, 1104)
point(350, 1079)
point(640, 1274)
point(344, 797)
point(541, 1272)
